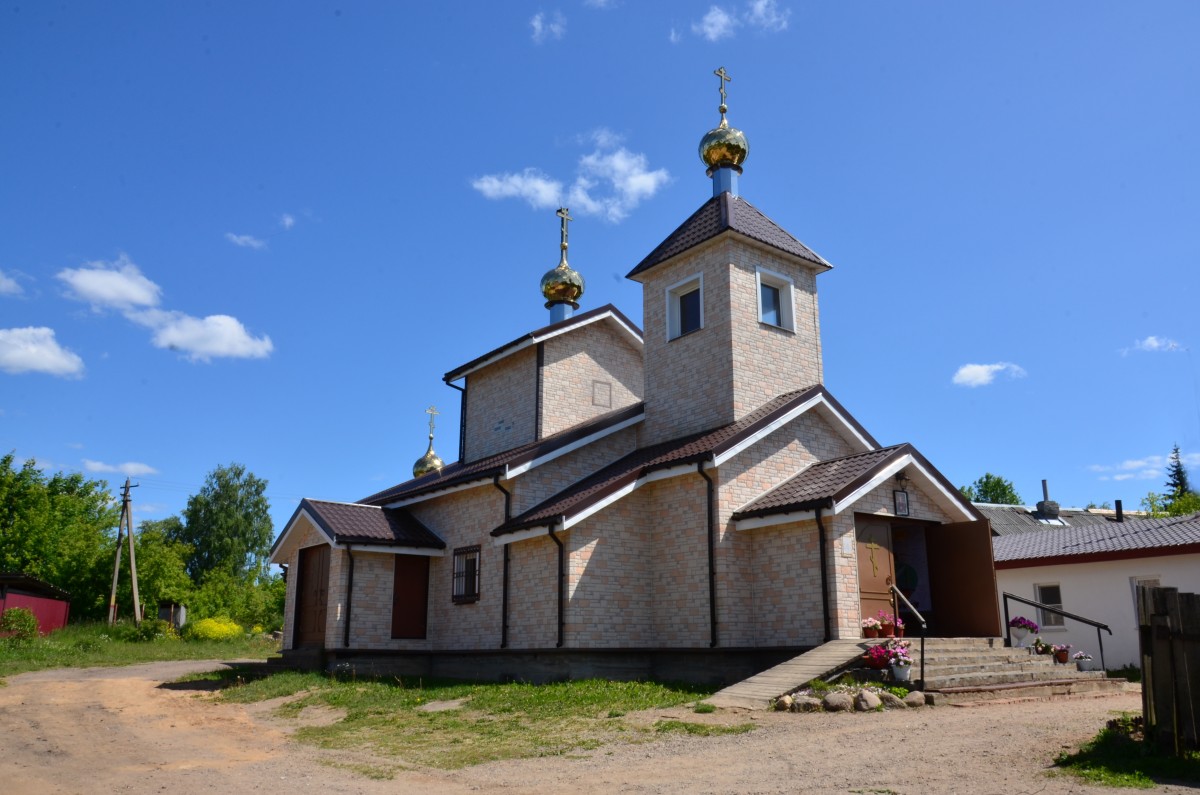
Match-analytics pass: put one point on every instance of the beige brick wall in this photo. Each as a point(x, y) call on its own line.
point(589, 372)
point(501, 405)
point(735, 363)
point(786, 579)
point(371, 611)
point(550, 478)
point(533, 593)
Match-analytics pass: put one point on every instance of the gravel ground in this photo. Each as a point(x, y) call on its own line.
point(117, 730)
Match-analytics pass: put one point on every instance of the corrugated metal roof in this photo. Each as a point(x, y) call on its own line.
point(1135, 534)
point(717, 215)
point(1010, 519)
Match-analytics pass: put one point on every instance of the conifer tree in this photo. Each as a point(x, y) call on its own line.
point(1177, 479)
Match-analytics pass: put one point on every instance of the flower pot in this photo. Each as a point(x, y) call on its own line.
point(1061, 657)
point(875, 664)
point(887, 631)
point(1020, 636)
point(902, 673)
point(1087, 665)
point(899, 632)
point(870, 632)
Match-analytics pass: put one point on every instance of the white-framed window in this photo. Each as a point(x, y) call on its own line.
point(1049, 594)
point(776, 299)
point(685, 306)
point(466, 575)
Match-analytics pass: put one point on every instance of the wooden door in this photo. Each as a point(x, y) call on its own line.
point(962, 577)
point(312, 596)
point(876, 571)
point(410, 596)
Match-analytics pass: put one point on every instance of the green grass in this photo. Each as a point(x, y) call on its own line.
point(87, 645)
point(1118, 757)
point(496, 721)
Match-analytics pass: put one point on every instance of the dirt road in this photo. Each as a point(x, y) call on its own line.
point(117, 730)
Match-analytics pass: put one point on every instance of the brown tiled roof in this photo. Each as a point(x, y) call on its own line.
point(534, 336)
point(721, 213)
point(823, 483)
point(687, 449)
point(348, 523)
point(1166, 536)
point(458, 473)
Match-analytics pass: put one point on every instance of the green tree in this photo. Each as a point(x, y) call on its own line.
point(59, 528)
point(161, 565)
point(1177, 479)
point(227, 526)
point(992, 488)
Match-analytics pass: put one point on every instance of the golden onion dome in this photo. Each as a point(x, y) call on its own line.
point(430, 462)
point(562, 284)
point(724, 146)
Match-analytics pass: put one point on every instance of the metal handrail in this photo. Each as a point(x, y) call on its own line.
point(1057, 611)
point(896, 594)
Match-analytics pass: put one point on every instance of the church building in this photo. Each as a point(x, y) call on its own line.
point(680, 501)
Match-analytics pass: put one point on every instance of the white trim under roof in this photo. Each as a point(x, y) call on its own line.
point(816, 400)
point(768, 521)
point(391, 549)
point(282, 542)
point(520, 469)
point(531, 339)
point(566, 523)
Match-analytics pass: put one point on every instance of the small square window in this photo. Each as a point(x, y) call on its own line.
point(1051, 596)
point(466, 575)
point(685, 307)
point(775, 299)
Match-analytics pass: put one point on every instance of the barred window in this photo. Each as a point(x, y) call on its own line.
point(466, 574)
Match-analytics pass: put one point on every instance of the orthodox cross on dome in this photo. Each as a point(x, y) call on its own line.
point(565, 215)
point(725, 78)
point(432, 412)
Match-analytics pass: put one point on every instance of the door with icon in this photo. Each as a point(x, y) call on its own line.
point(876, 567)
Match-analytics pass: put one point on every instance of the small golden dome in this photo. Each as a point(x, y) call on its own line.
point(430, 462)
point(724, 147)
point(562, 284)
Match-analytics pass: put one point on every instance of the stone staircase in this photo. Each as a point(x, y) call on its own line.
point(970, 670)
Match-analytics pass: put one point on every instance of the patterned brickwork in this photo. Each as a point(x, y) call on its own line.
point(787, 585)
point(544, 481)
point(371, 611)
point(591, 371)
point(533, 593)
point(501, 405)
point(678, 533)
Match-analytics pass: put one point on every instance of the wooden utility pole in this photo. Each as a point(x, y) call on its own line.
point(125, 525)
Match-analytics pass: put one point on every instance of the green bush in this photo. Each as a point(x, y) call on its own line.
point(217, 629)
point(156, 629)
point(19, 624)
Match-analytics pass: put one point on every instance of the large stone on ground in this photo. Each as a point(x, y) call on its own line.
point(783, 703)
point(837, 702)
point(866, 701)
point(892, 701)
point(915, 699)
point(806, 704)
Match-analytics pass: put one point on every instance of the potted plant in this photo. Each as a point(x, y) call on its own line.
point(900, 660)
point(1060, 652)
point(1021, 628)
point(887, 624)
point(877, 657)
point(1042, 647)
point(870, 627)
point(1083, 661)
point(899, 627)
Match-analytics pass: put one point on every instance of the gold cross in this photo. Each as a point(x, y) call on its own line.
point(564, 214)
point(874, 565)
point(725, 78)
point(432, 412)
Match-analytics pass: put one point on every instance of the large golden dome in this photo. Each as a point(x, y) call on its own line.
point(562, 284)
point(724, 146)
point(430, 462)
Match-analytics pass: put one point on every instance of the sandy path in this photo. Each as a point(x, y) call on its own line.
point(115, 730)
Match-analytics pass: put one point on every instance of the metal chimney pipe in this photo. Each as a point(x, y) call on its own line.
point(1045, 491)
point(1120, 512)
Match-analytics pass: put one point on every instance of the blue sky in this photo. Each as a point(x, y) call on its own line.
point(261, 232)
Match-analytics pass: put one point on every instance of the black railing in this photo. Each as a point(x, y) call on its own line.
point(898, 599)
point(1057, 611)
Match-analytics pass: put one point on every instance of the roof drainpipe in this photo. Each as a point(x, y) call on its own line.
point(823, 551)
point(504, 587)
point(712, 563)
point(562, 580)
point(462, 419)
point(349, 598)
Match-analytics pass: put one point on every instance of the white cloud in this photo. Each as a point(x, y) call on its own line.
point(8, 285)
point(600, 3)
point(1151, 467)
point(765, 14)
point(287, 220)
point(548, 27)
point(1153, 344)
point(116, 285)
point(246, 241)
point(35, 350)
point(973, 375)
point(532, 185)
point(202, 339)
point(674, 36)
point(610, 181)
point(717, 24)
point(131, 469)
